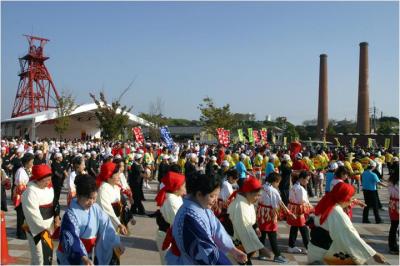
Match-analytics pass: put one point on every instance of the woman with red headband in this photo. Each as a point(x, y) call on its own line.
point(41, 216)
point(243, 216)
point(334, 240)
point(169, 199)
point(109, 195)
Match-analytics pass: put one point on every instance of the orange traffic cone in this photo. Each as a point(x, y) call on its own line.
point(5, 258)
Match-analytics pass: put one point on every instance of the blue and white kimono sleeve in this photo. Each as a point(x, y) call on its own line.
point(107, 238)
point(200, 237)
point(78, 224)
point(72, 247)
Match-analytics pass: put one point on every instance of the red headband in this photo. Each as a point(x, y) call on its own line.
point(172, 182)
point(106, 171)
point(341, 192)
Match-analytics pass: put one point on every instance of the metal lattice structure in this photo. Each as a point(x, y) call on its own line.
point(36, 91)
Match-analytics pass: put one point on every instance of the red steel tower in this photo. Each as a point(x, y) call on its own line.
point(36, 91)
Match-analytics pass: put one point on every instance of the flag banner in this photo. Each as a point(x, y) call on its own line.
point(387, 143)
point(220, 133)
point(284, 141)
point(263, 133)
point(353, 142)
point(256, 136)
point(240, 135)
point(337, 142)
point(251, 137)
point(369, 143)
point(137, 132)
point(166, 137)
point(227, 138)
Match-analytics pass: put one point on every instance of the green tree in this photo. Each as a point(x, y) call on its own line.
point(65, 106)
point(289, 130)
point(113, 118)
point(387, 127)
point(214, 117)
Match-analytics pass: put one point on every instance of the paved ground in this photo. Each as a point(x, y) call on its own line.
point(141, 248)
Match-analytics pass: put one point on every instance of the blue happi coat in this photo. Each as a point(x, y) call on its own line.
point(83, 228)
point(200, 237)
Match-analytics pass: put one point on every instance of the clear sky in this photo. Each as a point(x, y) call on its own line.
point(261, 57)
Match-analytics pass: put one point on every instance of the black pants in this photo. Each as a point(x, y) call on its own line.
point(371, 201)
point(273, 241)
point(57, 191)
point(378, 199)
point(393, 246)
point(20, 220)
point(137, 206)
point(285, 196)
point(293, 235)
point(310, 188)
point(3, 199)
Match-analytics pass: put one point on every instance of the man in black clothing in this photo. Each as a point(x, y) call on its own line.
point(135, 181)
point(93, 164)
point(58, 177)
point(163, 168)
point(6, 164)
point(16, 161)
point(284, 185)
point(190, 166)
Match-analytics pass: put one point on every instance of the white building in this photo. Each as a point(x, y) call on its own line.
point(41, 125)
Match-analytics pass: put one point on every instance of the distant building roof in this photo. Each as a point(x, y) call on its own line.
point(82, 110)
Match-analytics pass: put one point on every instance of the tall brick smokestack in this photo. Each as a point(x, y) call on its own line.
point(323, 96)
point(363, 126)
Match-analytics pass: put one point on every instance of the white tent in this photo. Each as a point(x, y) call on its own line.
point(41, 125)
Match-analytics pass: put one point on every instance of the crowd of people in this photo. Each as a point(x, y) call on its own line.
point(215, 204)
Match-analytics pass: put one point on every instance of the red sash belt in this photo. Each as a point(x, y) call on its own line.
point(89, 244)
point(170, 241)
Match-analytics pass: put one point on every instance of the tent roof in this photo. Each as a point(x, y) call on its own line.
point(82, 110)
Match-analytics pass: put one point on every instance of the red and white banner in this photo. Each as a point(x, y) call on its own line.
point(256, 136)
point(264, 133)
point(223, 136)
point(137, 132)
point(227, 137)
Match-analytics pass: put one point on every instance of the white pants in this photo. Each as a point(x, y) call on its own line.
point(36, 251)
point(159, 241)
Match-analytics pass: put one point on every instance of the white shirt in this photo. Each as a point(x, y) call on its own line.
point(298, 194)
point(170, 207)
point(21, 177)
point(71, 181)
point(335, 181)
point(226, 190)
point(270, 196)
point(124, 183)
point(32, 198)
point(106, 196)
point(243, 217)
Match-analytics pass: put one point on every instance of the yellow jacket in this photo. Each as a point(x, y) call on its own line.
point(309, 163)
point(348, 167)
point(247, 163)
point(365, 162)
point(357, 168)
